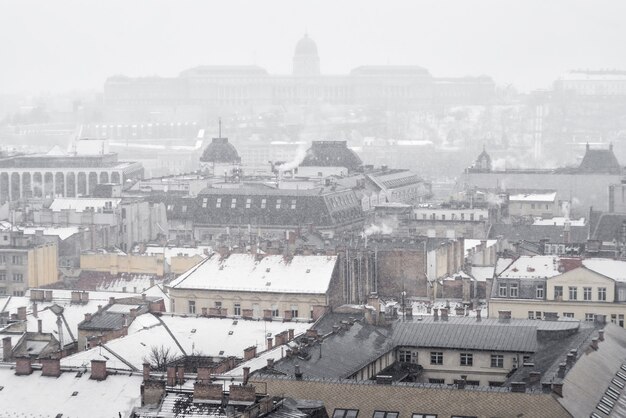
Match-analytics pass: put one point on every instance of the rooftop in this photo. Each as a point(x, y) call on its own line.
point(272, 273)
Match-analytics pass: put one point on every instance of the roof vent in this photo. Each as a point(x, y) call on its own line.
point(75, 393)
point(221, 353)
point(193, 331)
point(235, 322)
point(268, 284)
point(308, 270)
point(230, 332)
point(267, 270)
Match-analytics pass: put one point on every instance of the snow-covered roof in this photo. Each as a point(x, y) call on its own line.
point(214, 337)
point(81, 205)
point(69, 395)
point(169, 252)
point(272, 273)
point(530, 267)
point(615, 269)
point(559, 221)
point(473, 243)
point(481, 274)
point(533, 197)
point(62, 232)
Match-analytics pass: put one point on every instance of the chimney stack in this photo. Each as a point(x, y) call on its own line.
point(601, 335)
point(7, 349)
point(594, 343)
point(297, 372)
point(246, 375)
point(146, 371)
point(435, 314)
point(39, 326)
point(35, 313)
point(270, 363)
point(23, 366)
point(270, 343)
point(51, 367)
point(444, 314)
point(478, 313)
point(21, 313)
point(519, 387)
point(98, 369)
point(504, 316)
point(87, 317)
point(561, 371)
point(171, 376)
point(111, 300)
point(291, 332)
point(180, 374)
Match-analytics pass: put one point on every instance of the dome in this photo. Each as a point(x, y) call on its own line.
point(331, 154)
point(306, 46)
point(220, 151)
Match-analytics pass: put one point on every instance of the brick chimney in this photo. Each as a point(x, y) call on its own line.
point(246, 375)
point(249, 353)
point(39, 326)
point(171, 376)
point(242, 393)
point(435, 314)
point(47, 295)
point(519, 387)
point(204, 374)
point(7, 349)
point(75, 296)
point(180, 374)
point(146, 371)
point(207, 391)
point(84, 297)
point(23, 366)
point(270, 363)
point(561, 372)
point(21, 313)
point(98, 369)
point(601, 335)
point(270, 343)
point(51, 367)
point(478, 315)
point(444, 314)
point(133, 313)
point(594, 343)
point(111, 300)
point(504, 316)
point(291, 333)
point(35, 310)
point(87, 317)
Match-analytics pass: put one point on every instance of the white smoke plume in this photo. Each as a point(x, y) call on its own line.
point(297, 159)
point(565, 209)
point(384, 227)
point(494, 199)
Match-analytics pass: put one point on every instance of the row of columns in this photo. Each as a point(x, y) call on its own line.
point(17, 185)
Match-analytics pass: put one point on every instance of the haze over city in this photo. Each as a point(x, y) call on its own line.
point(68, 45)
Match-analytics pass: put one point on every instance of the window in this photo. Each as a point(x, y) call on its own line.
point(233, 203)
point(437, 381)
point(538, 314)
point(18, 293)
point(385, 414)
point(293, 204)
point(424, 416)
point(275, 312)
point(218, 203)
point(586, 293)
point(17, 260)
point(497, 360)
point(218, 304)
point(192, 306)
point(573, 293)
point(514, 290)
point(467, 359)
point(531, 314)
point(237, 309)
point(602, 293)
point(294, 311)
point(407, 356)
point(345, 413)
point(589, 317)
point(278, 201)
point(3, 277)
point(263, 203)
point(205, 202)
point(621, 294)
point(123, 213)
point(558, 292)
point(18, 277)
point(3, 258)
point(502, 290)
point(248, 203)
point(568, 314)
point(539, 291)
point(436, 357)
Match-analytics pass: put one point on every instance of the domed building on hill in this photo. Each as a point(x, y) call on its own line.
point(306, 61)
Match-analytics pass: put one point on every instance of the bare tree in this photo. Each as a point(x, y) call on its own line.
point(159, 357)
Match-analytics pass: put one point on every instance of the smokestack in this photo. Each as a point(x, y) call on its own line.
point(146, 371)
point(246, 375)
point(98, 369)
point(7, 349)
point(21, 313)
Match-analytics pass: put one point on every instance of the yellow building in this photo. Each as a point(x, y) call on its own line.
point(115, 262)
point(550, 287)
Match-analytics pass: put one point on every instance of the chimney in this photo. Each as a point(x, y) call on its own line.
point(270, 343)
point(21, 313)
point(39, 326)
point(246, 375)
point(84, 297)
point(204, 391)
point(98, 369)
point(133, 313)
point(180, 372)
point(594, 343)
point(242, 393)
point(570, 360)
point(47, 295)
point(444, 314)
point(504, 316)
point(51, 367)
point(478, 313)
point(561, 372)
point(249, 353)
point(557, 389)
point(435, 314)
point(75, 296)
point(7, 349)
point(297, 372)
point(111, 300)
point(23, 366)
point(291, 333)
point(171, 376)
point(534, 377)
point(146, 371)
point(601, 335)
point(35, 313)
point(87, 317)
point(204, 374)
point(518, 387)
point(270, 363)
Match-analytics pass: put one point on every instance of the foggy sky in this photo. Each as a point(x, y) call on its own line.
point(54, 46)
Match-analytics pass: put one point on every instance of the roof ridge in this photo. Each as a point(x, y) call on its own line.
point(171, 334)
point(120, 358)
